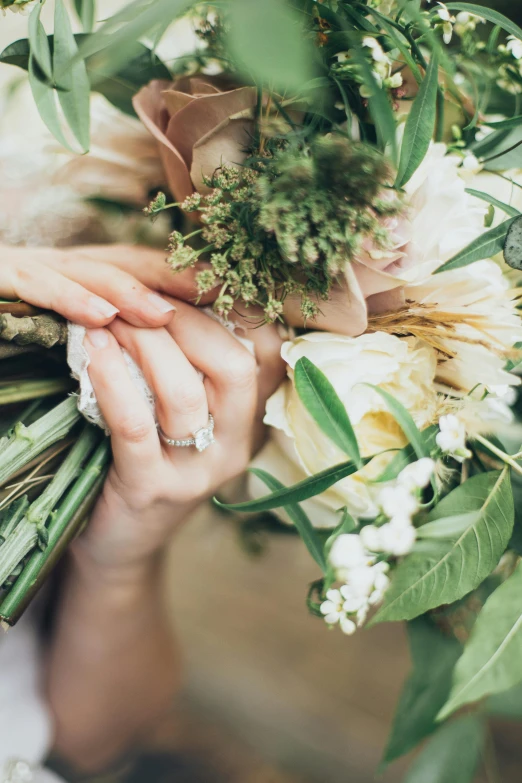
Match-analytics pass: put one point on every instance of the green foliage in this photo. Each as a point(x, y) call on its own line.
point(75, 89)
point(426, 689)
point(425, 580)
point(495, 17)
point(299, 518)
point(420, 125)
point(86, 10)
point(268, 41)
point(507, 208)
point(486, 245)
point(492, 659)
point(513, 244)
point(322, 402)
point(452, 755)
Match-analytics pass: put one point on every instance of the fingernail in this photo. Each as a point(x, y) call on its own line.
point(98, 338)
point(101, 307)
point(161, 304)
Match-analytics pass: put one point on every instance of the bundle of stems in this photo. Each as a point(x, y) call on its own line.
point(52, 464)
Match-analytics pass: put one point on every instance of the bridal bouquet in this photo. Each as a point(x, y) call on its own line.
point(351, 170)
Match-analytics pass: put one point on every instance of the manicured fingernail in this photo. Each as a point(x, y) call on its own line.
point(98, 338)
point(101, 307)
point(161, 304)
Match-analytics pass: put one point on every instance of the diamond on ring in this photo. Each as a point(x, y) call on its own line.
point(201, 439)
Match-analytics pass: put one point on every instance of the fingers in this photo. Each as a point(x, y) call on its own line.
point(150, 268)
point(230, 369)
point(136, 303)
point(181, 400)
point(135, 443)
point(37, 284)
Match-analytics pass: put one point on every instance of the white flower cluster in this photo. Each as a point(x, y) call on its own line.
point(451, 438)
point(466, 23)
point(382, 67)
point(354, 556)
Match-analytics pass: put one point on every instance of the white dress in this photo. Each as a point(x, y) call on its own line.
point(25, 722)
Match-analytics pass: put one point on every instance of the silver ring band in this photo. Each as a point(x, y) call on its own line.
point(201, 439)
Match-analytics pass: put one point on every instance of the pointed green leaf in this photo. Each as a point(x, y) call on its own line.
point(420, 125)
point(39, 47)
point(86, 10)
point(404, 420)
point(308, 488)
point(425, 580)
point(322, 402)
point(492, 659)
point(490, 14)
point(434, 656)
point(509, 210)
point(302, 524)
point(487, 245)
point(452, 755)
point(75, 89)
point(512, 122)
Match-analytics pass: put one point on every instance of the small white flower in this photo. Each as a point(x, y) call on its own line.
point(447, 22)
point(451, 438)
point(398, 500)
point(394, 81)
point(466, 22)
point(332, 608)
point(343, 57)
point(348, 552)
point(471, 163)
point(378, 53)
point(417, 475)
point(347, 626)
point(359, 582)
point(371, 538)
point(397, 539)
point(514, 45)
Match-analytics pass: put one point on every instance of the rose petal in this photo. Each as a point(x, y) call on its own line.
point(150, 108)
point(175, 100)
point(223, 145)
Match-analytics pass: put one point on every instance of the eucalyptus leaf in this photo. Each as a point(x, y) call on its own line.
point(308, 488)
point(492, 659)
point(513, 244)
point(512, 122)
point(39, 48)
point(404, 420)
point(490, 14)
point(507, 208)
point(326, 408)
point(452, 755)
point(487, 245)
point(302, 524)
point(433, 656)
point(427, 579)
point(86, 10)
point(75, 92)
point(269, 42)
point(420, 125)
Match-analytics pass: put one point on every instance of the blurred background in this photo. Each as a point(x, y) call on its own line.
point(269, 695)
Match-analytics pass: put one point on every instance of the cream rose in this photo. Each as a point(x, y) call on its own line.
point(298, 448)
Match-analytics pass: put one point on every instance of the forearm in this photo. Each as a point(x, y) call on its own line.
point(112, 667)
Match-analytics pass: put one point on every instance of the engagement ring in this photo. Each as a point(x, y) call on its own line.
point(201, 439)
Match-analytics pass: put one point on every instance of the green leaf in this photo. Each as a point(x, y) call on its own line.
point(269, 42)
point(407, 455)
point(425, 580)
point(513, 244)
point(487, 245)
point(404, 420)
point(512, 122)
point(490, 14)
point(452, 755)
point(448, 527)
point(43, 94)
point(119, 88)
point(302, 524)
point(509, 210)
point(507, 704)
point(420, 125)
point(308, 488)
point(434, 656)
point(492, 659)
point(322, 402)
point(75, 92)
point(86, 10)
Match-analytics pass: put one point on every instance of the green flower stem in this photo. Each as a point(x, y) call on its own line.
point(12, 517)
point(506, 458)
point(31, 527)
point(33, 390)
point(28, 442)
point(66, 523)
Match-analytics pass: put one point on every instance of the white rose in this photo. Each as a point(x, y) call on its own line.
point(298, 447)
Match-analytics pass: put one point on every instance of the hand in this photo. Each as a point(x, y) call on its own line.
point(152, 487)
point(87, 286)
